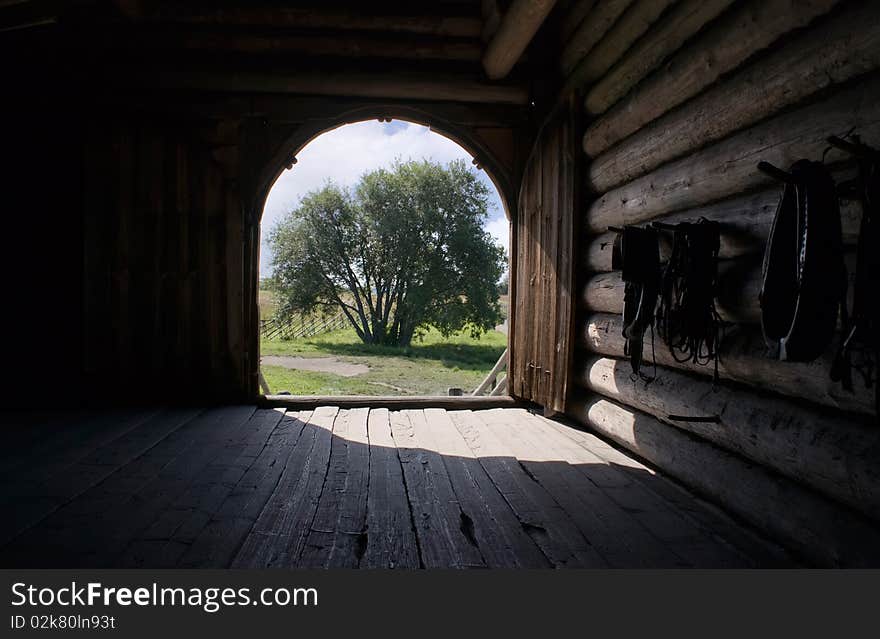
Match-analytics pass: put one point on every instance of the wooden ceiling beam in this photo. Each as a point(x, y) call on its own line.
point(264, 41)
point(518, 26)
point(300, 18)
point(393, 84)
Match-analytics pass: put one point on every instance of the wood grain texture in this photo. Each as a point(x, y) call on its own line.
point(632, 25)
point(391, 538)
point(665, 37)
point(520, 22)
point(743, 360)
point(545, 228)
point(817, 528)
point(279, 534)
point(238, 486)
point(831, 52)
point(836, 455)
point(744, 220)
point(718, 50)
point(590, 31)
point(436, 513)
point(729, 168)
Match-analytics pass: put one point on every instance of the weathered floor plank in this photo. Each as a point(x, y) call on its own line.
point(173, 531)
point(94, 528)
point(337, 536)
point(538, 513)
point(719, 525)
point(689, 541)
point(31, 498)
point(279, 534)
point(487, 519)
point(220, 540)
point(391, 537)
point(360, 487)
point(614, 533)
point(436, 513)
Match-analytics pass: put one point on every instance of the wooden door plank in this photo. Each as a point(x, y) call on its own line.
point(279, 534)
point(489, 520)
point(538, 513)
point(435, 509)
point(337, 536)
point(391, 537)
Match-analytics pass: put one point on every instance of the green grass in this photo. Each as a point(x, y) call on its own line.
point(428, 367)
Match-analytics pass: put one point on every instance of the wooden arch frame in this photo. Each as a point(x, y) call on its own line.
point(269, 148)
point(279, 158)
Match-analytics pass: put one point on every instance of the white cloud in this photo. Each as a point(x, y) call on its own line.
point(346, 153)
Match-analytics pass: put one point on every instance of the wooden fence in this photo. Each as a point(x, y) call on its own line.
point(301, 326)
point(490, 385)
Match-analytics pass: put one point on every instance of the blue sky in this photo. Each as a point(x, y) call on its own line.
point(346, 153)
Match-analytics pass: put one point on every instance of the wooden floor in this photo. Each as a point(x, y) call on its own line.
point(247, 487)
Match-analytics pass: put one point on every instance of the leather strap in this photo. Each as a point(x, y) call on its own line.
point(860, 347)
point(636, 253)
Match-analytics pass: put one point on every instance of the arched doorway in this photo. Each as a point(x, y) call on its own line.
point(342, 153)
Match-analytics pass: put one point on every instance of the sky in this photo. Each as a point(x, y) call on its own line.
point(346, 153)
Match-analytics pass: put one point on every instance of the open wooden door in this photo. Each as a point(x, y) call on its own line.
point(543, 240)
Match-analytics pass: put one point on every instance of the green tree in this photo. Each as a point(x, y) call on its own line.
point(403, 250)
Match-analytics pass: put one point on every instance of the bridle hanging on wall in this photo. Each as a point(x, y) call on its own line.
point(636, 253)
point(860, 346)
point(686, 317)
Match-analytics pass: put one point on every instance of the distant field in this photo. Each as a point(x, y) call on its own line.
point(427, 367)
point(267, 304)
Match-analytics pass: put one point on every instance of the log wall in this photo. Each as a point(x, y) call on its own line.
point(676, 125)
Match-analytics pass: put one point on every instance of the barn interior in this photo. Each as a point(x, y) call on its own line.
point(141, 138)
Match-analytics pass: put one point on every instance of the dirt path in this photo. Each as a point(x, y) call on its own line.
point(318, 364)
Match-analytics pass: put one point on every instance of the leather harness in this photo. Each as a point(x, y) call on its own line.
point(804, 276)
point(686, 317)
point(861, 339)
point(636, 253)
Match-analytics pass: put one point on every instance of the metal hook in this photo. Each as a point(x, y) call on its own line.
point(776, 173)
point(854, 148)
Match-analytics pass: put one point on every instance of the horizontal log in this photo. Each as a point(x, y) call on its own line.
point(745, 225)
point(403, 85)
point(722, 47)
point(739, 290)
point(831, 452)
point(595, 25)
point(815, 527)
point(574, 17)
point(730, 167)
point(664, 38)
point(634, 22)
point(738, 300)
point(519, 24)
point(308, 44)
point(743, 360)
point(311, 18)
point(830, 53)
